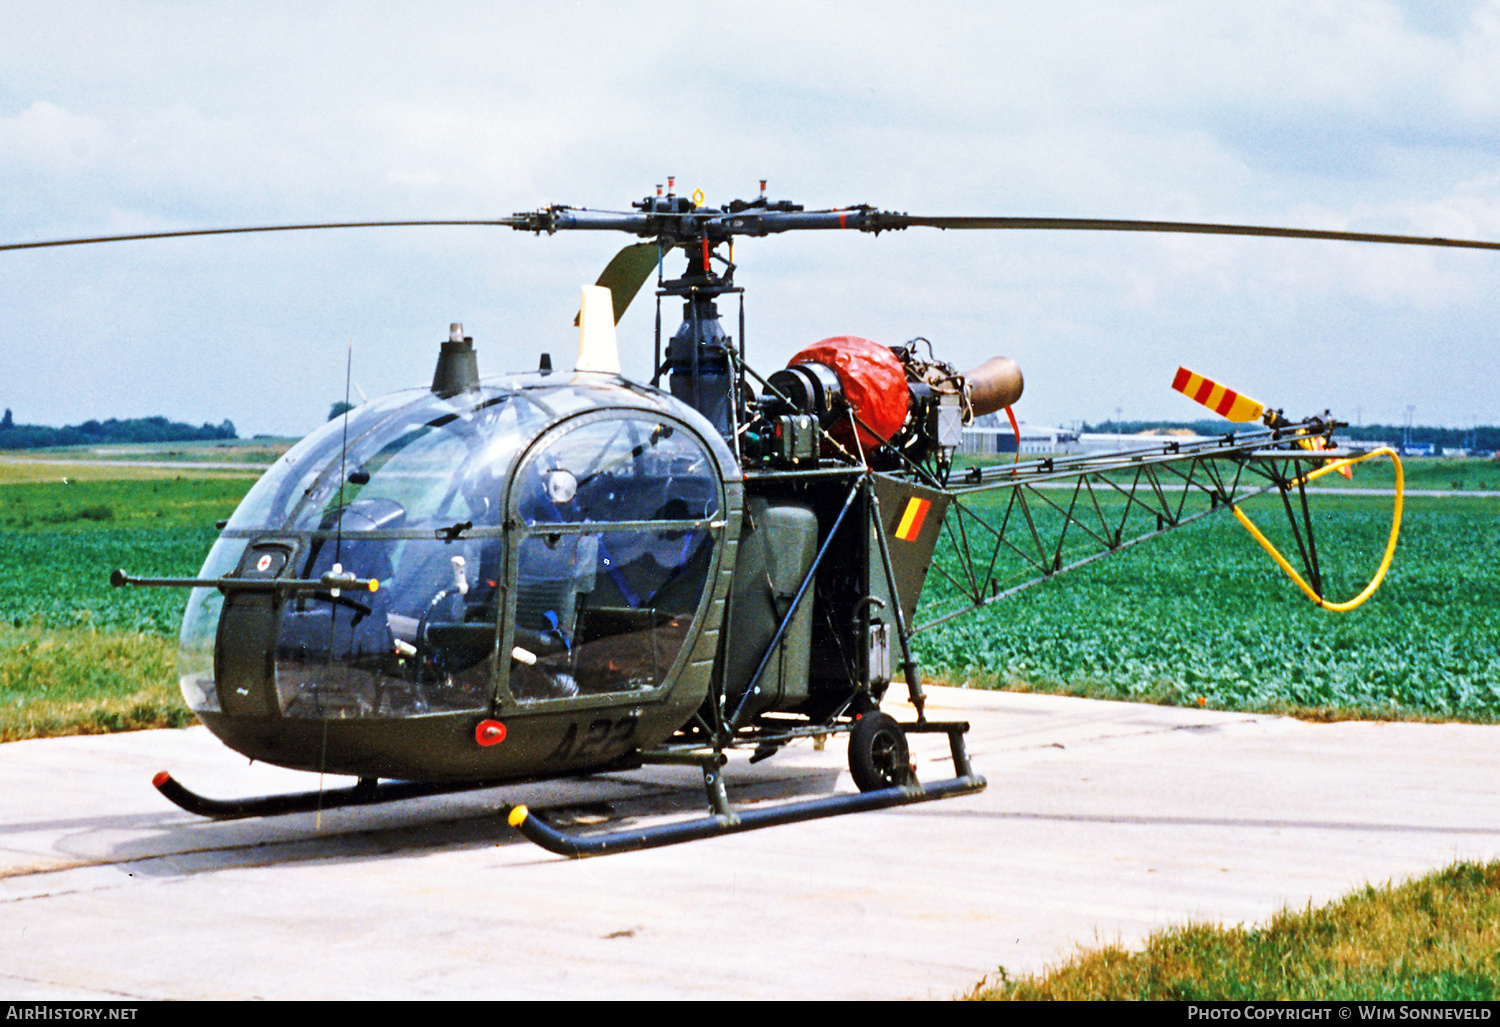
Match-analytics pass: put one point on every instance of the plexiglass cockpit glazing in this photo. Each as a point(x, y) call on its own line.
point(415, 505)
point(405, 494)
point(618, 515)
point(608, 571)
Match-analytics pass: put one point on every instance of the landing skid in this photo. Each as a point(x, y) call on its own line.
point(723, 820)
point(726, 820)
point(577, 846)
point(368, 792)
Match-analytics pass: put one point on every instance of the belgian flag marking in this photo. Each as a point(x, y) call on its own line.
point(912, 518)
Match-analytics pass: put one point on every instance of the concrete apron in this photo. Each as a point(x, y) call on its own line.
point(1102, 822)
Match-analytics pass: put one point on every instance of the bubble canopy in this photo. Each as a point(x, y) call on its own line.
point(568, 522)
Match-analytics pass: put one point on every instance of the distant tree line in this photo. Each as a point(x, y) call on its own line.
point(1485, 438)
point(134, 429)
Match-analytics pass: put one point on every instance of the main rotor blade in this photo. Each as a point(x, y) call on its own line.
point(511, 222)
point(626, 272)
point(631, 266)
point(884, 220)
point(624, 275)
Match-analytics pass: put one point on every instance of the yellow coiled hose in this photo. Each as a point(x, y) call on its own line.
point(1390, 548)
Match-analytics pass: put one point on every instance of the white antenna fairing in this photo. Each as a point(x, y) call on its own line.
point(597, 348)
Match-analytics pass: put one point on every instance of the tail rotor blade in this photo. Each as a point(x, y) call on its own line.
point(1223, 401)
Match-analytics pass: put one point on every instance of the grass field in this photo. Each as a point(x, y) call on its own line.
point(77, 656)
point(159, 499)
point(66, 681)
point(1432, 939)
point(1438, 473)
point(245, 455)
point(60, 541)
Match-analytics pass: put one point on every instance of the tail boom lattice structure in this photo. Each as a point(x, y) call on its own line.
point(1015, 526)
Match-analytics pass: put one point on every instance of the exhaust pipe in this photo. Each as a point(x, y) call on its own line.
point(994, 385)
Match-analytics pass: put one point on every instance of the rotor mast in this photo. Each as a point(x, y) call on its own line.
point(699, 363)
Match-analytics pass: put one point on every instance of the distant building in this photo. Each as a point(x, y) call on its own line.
point(1362, 445)
point(990, 440)
point(1108, 442)
point(986, 440)
point(987, 437)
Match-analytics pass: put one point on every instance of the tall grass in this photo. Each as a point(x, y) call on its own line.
point(68, 681)
point(1435, 939)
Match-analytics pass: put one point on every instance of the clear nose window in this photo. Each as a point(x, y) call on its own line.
point(573, 529)
point(433, 467)
point(414, 503)
point(614, 555)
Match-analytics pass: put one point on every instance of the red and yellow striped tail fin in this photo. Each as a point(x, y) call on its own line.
point(1222, 401)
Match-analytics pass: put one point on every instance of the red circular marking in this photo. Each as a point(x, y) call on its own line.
point(489, 732)
point(263, 562)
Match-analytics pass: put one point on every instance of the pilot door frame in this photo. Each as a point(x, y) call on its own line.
point(516, 532)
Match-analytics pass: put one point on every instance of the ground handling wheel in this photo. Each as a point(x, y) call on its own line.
point(878, 754)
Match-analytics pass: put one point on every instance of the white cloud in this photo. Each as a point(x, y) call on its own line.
point(48, 139)
point(1358, 113)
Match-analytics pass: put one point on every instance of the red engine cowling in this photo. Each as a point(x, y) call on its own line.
point(874, 383)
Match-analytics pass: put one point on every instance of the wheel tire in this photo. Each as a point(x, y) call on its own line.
point(878, 754)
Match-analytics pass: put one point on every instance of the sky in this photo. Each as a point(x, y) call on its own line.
point(1363, 115)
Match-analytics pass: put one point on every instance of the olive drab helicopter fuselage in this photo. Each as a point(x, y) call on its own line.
point(510, 578)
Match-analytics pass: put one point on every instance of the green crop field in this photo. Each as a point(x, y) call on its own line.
point(77, 656)
point(1203, 616)
point(58, 543)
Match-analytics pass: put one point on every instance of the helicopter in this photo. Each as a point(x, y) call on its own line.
point(553, 573)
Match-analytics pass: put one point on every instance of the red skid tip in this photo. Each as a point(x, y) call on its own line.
point(161, 778)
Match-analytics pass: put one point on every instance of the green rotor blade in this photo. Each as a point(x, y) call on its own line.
point(624, 275)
